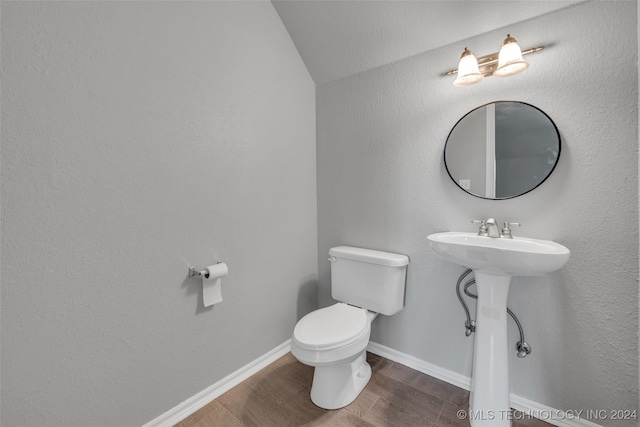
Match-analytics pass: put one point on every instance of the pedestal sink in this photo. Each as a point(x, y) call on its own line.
point(494, 261)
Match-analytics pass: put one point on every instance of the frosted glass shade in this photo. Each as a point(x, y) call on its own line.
point(510, 59)
point(468, 72)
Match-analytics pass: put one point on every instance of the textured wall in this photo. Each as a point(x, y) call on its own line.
point(382, 184)
point(139, 138)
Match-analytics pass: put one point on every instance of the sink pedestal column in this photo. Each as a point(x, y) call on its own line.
point(489, 398)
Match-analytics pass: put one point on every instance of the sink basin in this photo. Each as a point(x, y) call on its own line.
point(498, 256)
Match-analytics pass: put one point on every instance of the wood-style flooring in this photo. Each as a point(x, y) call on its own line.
point(396, 396)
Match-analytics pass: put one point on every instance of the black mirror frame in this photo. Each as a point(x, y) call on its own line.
point(517, 195)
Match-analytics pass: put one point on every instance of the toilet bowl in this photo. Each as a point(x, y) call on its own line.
point(333, 340)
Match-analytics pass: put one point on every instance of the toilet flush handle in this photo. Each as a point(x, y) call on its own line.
point(333, 259)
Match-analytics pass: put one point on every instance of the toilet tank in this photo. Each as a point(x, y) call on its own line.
point(367, 278)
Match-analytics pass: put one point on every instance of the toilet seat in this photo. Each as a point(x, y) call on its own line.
point(332, 327)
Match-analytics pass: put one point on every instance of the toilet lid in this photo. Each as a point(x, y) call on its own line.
point(331, 327)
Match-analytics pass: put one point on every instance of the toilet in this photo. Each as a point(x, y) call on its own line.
point(333, 339)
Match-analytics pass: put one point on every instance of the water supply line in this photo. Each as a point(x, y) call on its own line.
point(470, 325)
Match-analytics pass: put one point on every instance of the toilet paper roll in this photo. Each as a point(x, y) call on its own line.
point(212, 283)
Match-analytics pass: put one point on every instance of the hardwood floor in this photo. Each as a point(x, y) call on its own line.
point(396, 396)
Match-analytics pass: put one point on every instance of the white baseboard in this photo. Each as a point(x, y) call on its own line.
point(191, 405)
point(550, 415)
point(173, 416)
point(420, 365)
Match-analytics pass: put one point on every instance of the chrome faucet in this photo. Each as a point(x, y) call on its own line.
point(492, 228)
point(489, 228)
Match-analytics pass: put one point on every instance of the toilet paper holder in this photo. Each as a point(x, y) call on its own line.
point(197, 272)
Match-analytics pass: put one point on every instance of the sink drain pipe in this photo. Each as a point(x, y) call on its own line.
point(470, 325)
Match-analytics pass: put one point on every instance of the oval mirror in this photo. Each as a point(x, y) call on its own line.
point(501, 150)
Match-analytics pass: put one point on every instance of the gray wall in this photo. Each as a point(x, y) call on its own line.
point(139, 138)
point(382, 184)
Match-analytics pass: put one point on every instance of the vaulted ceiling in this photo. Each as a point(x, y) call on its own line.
point(339, 38)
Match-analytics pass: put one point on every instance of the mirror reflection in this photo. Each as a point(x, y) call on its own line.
point(502, 150)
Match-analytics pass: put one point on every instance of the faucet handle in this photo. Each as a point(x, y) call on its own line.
point(506, 230)
point(482, 231)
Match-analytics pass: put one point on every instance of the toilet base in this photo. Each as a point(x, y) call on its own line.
point(336, 386)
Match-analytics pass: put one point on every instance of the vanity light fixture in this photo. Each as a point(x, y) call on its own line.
point(507, 62)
